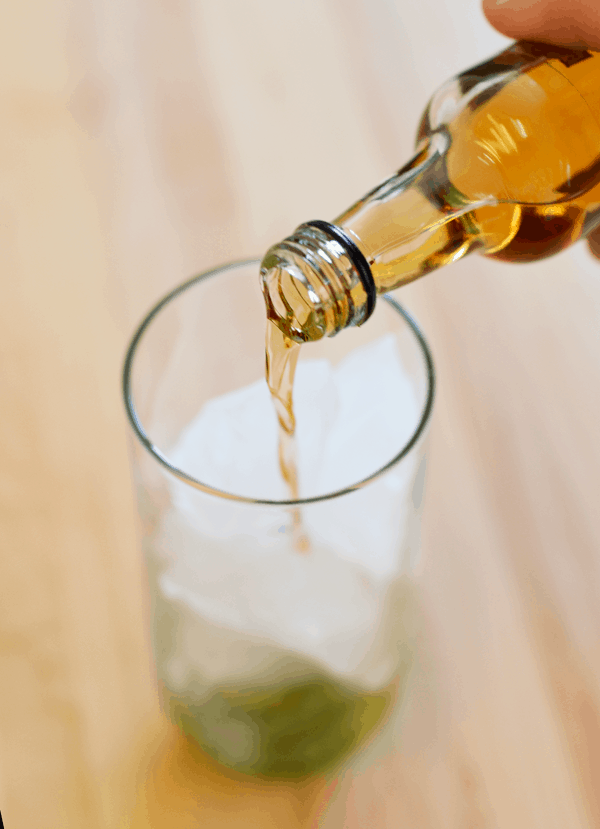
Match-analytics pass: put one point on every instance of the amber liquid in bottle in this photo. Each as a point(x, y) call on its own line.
point(507, 163)
point(519, 177)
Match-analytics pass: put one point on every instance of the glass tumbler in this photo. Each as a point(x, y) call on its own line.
point(281, 662)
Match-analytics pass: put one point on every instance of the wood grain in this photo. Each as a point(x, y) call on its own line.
point(142, 142)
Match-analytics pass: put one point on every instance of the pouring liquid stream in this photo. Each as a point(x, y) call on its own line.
point(281, 360)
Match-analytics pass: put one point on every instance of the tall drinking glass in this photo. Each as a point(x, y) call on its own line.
point(281, 662)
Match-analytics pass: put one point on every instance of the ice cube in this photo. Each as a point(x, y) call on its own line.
point(376, 414)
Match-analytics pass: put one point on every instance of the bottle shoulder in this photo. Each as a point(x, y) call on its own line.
point(523, 126)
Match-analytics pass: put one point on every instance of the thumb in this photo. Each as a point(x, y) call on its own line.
point(574, 23)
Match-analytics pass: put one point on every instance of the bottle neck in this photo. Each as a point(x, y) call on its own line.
point(324, 277)
point(316, 282)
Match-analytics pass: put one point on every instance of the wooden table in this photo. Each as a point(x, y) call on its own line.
point(141, 142)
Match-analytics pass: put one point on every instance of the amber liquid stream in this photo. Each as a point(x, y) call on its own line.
point(281, 358)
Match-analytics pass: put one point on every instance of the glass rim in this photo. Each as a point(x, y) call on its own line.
point(162, 459)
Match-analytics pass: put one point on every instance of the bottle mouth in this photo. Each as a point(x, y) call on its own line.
point(291, 301)
point(316, 282)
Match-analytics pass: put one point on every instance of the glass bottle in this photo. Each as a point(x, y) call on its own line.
point(507, 162)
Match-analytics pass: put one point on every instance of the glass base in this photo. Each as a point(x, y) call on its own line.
point(286, 732)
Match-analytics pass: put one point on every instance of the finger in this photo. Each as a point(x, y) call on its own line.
point(594, 243)
point(574, 23)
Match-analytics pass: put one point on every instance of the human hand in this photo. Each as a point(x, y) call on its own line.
point(573, 23)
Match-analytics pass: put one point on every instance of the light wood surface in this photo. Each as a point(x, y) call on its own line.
point(141, 142)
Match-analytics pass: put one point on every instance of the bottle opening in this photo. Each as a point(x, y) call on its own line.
point(316, 282)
